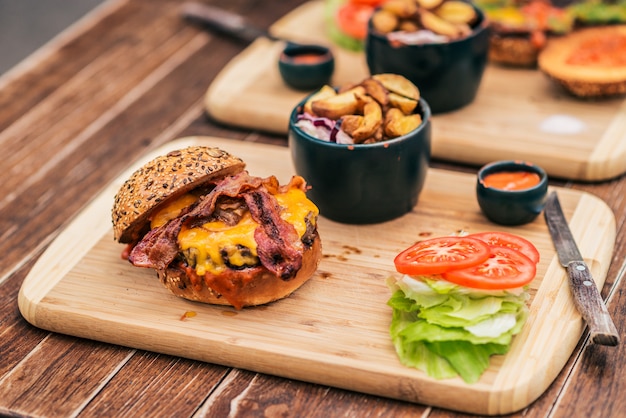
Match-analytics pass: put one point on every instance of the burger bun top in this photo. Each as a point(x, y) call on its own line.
point(163, 178)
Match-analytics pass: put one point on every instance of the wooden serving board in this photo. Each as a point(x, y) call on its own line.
point(334, 329)
point(517, 114)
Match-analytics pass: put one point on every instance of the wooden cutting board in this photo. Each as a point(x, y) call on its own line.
point(517, 114)
point(334, 329)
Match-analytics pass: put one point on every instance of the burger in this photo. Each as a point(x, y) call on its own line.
point(520, 29)
point(214, 233)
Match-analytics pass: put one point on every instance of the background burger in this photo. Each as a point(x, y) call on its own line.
point(214, 233)
point(520, 29)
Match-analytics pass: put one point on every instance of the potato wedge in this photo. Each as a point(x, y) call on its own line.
point(406, 105)
point(398, 84)
point(401, 8)
point(376, 90)
point(438, 25)
point(350, 123)
point(342, 104)
point(457, 12)
point(429, 4)
point(398, 124)
point(323, 93)
point(372, 120)
point(384, 21)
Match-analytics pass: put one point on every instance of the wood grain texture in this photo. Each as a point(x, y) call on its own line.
point(77, 167)
point(506, 119)
point(334, 330)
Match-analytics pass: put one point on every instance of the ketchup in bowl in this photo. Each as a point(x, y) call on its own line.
point(511, 192)
point(512, 180)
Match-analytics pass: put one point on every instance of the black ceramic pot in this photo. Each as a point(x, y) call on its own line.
point(511, 207)
point(447, 74)
point(363, 183)
point(306, 67)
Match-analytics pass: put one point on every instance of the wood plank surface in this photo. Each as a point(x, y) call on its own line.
point(334, 330)
point(516, 113)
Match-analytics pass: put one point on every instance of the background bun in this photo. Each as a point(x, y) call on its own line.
point(258, 285)
point(165, 177)
point(515, 51)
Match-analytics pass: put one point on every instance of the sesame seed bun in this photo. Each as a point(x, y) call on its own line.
point(163, 178)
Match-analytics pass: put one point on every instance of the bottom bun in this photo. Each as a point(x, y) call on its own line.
point(252, 287)
point(515, 51)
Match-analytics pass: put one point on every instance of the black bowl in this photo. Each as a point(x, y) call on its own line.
point(511, 207)
point(363, 183)
point(447, 74)
point(306, 67)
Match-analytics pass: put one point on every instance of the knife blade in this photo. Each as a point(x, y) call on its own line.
point(584, 290)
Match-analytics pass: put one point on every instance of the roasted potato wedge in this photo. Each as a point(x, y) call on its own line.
point(400, 8)
point(457, 12)
point(371, 121)
point(350, 123)
point(385, 21)
point(438, 25)
point(406, 105)
point(429, 4)
point(398, 124)
point(324, 93)
point(376, 90)
point(398, 84)
point(341, 104)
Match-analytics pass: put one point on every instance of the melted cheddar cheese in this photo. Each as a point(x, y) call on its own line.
point(171, 210)
point(207, 245)
point(296, 207)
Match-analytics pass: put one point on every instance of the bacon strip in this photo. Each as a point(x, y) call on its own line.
point(276, 239)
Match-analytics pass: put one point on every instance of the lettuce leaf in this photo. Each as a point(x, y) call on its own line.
point(446, 331)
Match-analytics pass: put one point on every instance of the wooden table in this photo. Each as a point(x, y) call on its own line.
point(128, 78)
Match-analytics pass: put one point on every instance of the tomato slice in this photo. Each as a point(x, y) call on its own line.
point(438, 255)
point(504, 239)
point(506, 268)
point(352, 19)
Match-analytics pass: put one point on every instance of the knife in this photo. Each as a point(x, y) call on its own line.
point(586, 295)
point(222, 21)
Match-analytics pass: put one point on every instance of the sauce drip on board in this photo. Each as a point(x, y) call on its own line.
point(512, 180)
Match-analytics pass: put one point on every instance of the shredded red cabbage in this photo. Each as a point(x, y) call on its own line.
point(323, 128)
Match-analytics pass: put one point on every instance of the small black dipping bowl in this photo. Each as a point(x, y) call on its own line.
point(511, 207)
point(306, 67)
point(447, 74)
point(363, 183)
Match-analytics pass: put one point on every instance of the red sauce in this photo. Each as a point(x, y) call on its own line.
point(605, 51)
point(511, 180)
point(305, 58)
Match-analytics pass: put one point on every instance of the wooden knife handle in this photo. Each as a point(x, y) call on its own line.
point(590, 304)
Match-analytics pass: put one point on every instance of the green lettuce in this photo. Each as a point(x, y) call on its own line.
point(447, 330)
